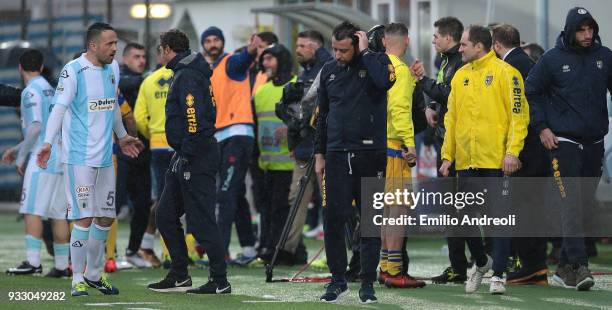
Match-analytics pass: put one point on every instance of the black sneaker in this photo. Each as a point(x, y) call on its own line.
point(366, 294)
point(56, 273)
point(211, 287)
point(449, 276)
point(333, 291)
point(103, 285)
point(24, 269)
point(584, 278)
point(565, 277)
point(171, 284)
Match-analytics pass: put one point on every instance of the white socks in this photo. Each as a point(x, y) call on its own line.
point(148, 241)
point(33, 245)
point(78, 252)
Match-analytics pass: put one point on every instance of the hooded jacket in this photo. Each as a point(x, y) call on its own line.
point(285, 63)
point(566, 89)
point(190, 106)
point(274, 151)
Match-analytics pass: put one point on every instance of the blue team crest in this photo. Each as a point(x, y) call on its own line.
point(489, 80)
point(112, 78)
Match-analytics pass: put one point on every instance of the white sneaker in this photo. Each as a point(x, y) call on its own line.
point(313, 232)
point(138, 261)
point(497, 286)
point(475, 279)
point(124, 264)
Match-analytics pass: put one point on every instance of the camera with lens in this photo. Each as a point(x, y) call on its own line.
point(375, 36)
point(291, 110)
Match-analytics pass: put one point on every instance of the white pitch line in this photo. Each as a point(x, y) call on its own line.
point(110, 304)
point(261, 301)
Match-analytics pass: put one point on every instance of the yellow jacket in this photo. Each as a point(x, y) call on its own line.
point(487, 114)
point(150, 108)
point(399, 104)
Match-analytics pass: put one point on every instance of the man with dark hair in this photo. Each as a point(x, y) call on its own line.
point(133, 175)
point(132, 45)
point(350, 148)
point(242, 219)
point(401, 155)
point(42, 194)
point(534, 51)
point(150, 117)
point(311, 55)
point(190, 179)
point(506, 44)
point(446, 37)
point(234, 126)
point(87, 112)
point(268, 38)
point(486, 124)
point(567, 92)
point(313, 35)
point(530, 250)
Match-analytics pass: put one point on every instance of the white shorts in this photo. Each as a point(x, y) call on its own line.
point(43, 194)
point(90, 191)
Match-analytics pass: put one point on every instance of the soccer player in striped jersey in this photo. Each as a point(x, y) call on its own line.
point(87, 112)
point(43, 189)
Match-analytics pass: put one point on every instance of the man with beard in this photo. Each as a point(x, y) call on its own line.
point(567, 90)
point(311, 55)
point(190, 179)
point(350, 148)
point(87, 113)
point(234, 125)
point(138, 185)
point(274, 159)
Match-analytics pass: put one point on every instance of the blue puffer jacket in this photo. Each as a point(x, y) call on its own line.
point(566, 89)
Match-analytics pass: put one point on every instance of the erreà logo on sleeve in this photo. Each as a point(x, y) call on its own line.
point(101, 105)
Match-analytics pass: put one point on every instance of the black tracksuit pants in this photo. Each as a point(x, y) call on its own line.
point(578, 167)
point(534, 158)
point(134, 179)
point(191, 190)
point(343, 173)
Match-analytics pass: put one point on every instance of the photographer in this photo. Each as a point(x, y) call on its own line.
point(350, 143)
point(296, 111)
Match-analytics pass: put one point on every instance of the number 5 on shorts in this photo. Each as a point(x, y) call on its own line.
point(110, 199)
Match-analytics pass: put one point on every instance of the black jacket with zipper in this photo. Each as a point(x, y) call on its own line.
point(352, 104)
point(566, 89)
point(439, 91)
point(190, 108)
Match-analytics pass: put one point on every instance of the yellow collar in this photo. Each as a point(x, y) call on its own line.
point(482, 62)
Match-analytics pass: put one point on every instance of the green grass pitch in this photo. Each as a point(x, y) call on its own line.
point(251, 292)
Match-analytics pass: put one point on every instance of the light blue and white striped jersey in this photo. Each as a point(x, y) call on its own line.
point(36, 105)
point(90, 94)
